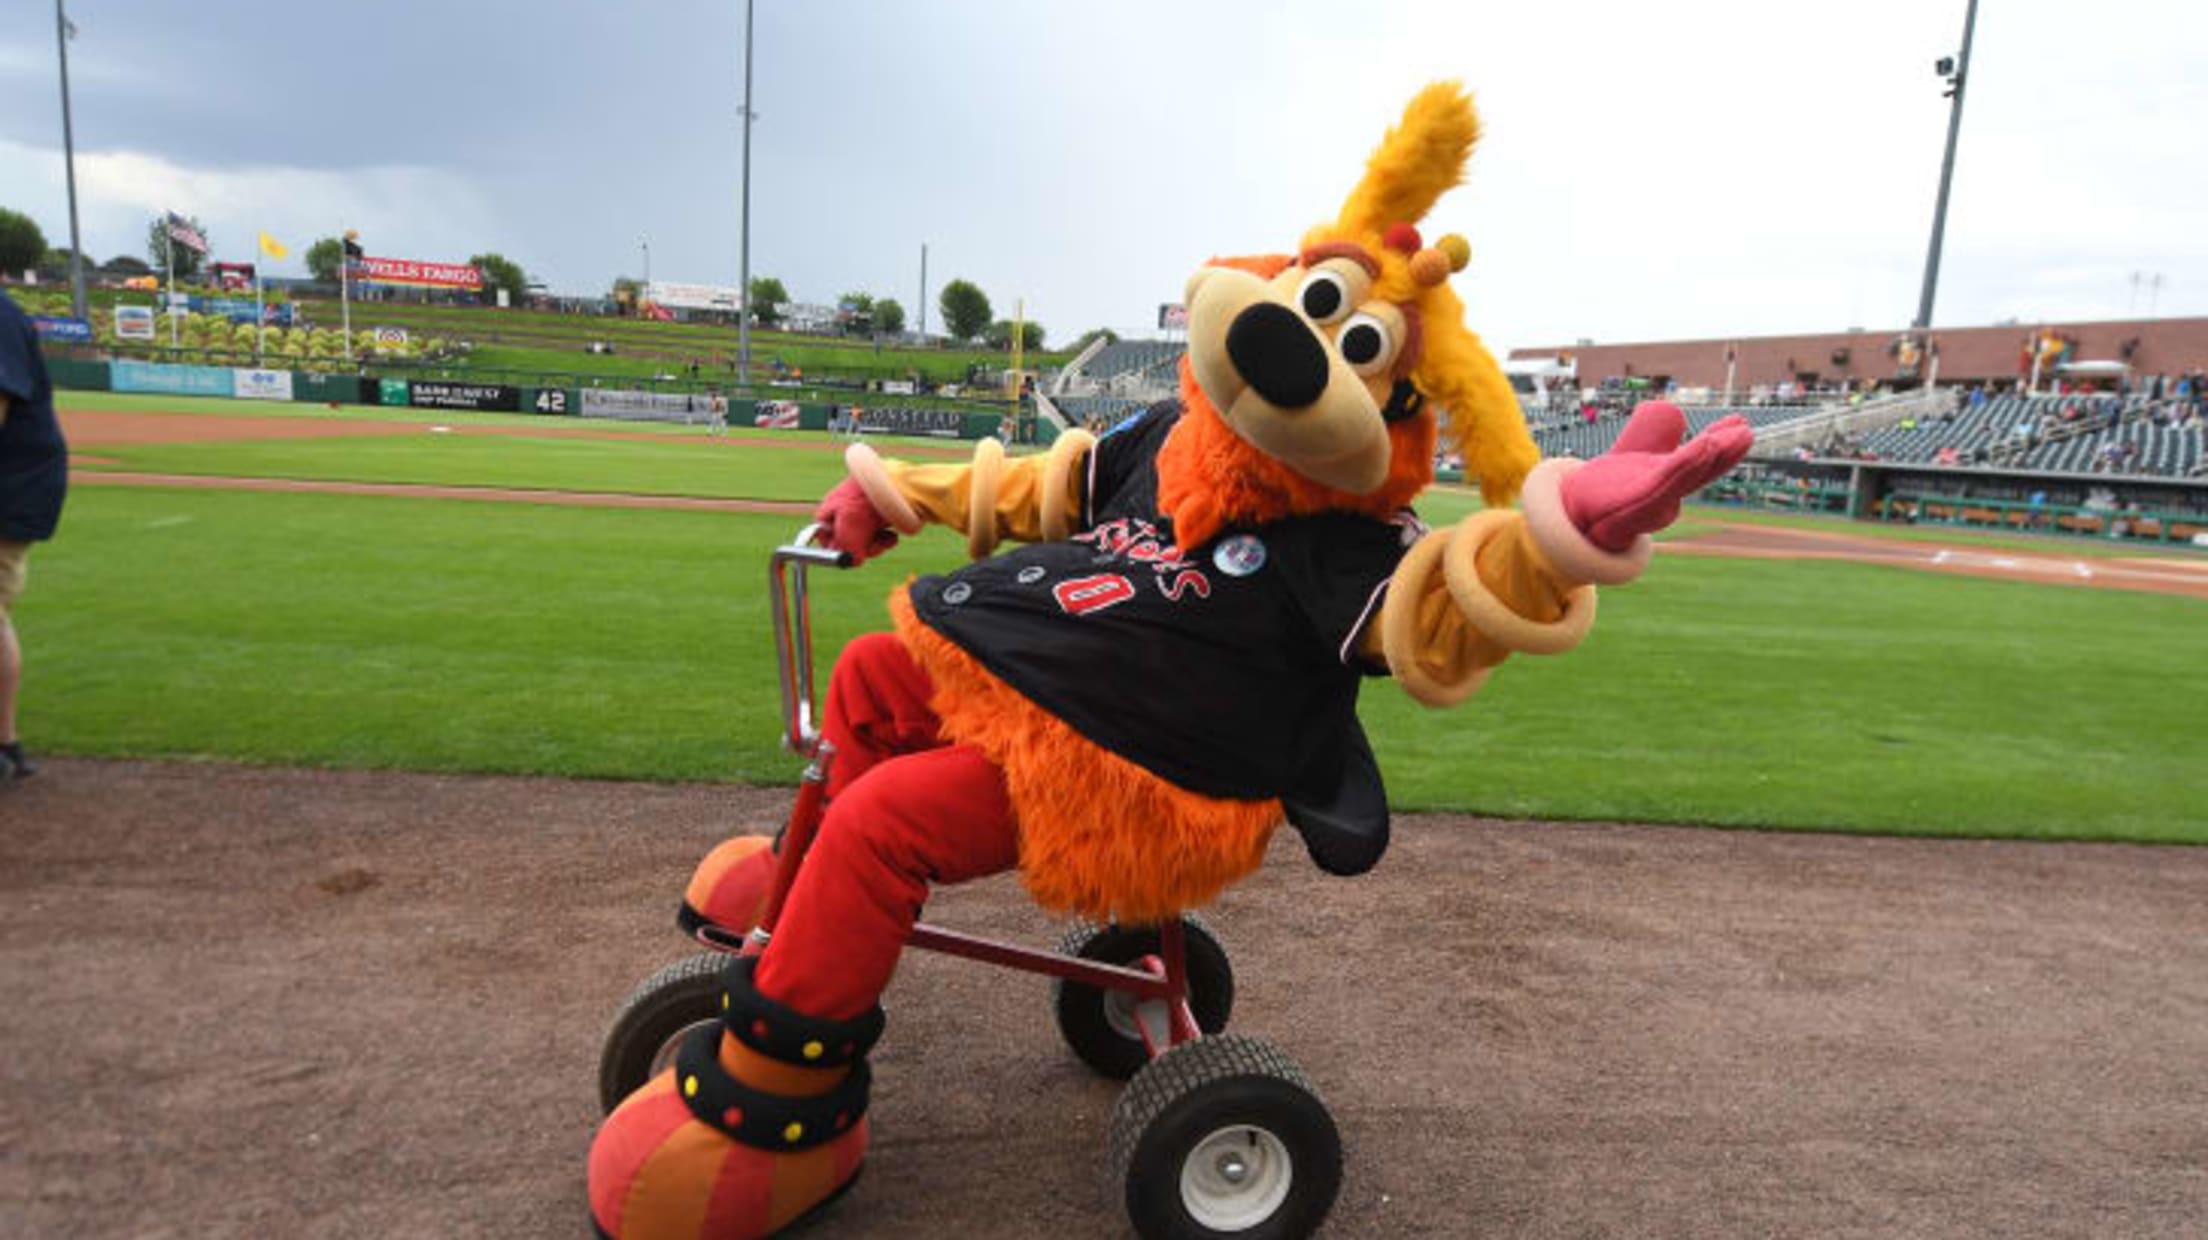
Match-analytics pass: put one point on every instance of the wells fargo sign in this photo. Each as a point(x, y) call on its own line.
point(419, 274)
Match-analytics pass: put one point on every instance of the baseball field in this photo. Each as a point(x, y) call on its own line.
point(380, 744)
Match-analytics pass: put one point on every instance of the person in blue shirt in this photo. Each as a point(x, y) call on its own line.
point(34, 477)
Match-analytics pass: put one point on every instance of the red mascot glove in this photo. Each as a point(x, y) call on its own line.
point(850, 523)
point(1635, 487)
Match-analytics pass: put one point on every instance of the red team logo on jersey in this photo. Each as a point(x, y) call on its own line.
point(1140, 541)
point(1083, 595)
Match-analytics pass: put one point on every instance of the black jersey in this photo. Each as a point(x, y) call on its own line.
point(1228, 669)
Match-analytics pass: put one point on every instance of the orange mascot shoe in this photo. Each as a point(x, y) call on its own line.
point(729, 889)
point(761, 1122)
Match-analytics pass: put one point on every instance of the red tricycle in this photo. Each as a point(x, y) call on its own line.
point(1216, 1134)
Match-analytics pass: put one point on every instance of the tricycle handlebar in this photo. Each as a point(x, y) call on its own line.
point(793, 633)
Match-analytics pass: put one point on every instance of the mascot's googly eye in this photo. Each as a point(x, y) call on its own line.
point(1366, 344)
point(1323, 297)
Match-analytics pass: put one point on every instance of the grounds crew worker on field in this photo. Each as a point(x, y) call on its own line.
point(34, 476)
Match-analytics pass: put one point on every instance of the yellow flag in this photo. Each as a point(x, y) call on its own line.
point(273, 248)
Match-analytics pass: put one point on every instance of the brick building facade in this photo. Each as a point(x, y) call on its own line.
point(1966, 354)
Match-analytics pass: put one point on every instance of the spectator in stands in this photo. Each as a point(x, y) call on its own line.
point(34, 479)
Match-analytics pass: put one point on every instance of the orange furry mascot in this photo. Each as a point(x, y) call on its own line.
point(1125, 707)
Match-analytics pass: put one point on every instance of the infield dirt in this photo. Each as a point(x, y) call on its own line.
point(277, 1002)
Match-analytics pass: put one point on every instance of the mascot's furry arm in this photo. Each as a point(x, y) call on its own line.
point(1035, 498)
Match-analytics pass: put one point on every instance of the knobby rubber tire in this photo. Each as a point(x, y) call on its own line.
point(685, 993)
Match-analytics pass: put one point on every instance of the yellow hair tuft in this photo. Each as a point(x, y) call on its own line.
point(1421, 159)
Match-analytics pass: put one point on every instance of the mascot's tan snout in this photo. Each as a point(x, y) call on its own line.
point(1281, 383)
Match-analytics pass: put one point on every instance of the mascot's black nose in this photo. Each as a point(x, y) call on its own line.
point(1276, 353)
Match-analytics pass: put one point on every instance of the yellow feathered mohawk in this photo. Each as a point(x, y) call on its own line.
point(1421, 159)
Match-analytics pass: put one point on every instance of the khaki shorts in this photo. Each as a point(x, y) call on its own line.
point(14, 566)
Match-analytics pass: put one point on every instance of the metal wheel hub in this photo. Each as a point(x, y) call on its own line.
point(1119, 1013)
point(664, 1057)
point(1236, 1178)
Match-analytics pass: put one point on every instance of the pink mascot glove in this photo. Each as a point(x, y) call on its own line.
point(850, 523)
point(1636, 486)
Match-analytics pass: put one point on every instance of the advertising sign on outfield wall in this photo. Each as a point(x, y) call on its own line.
point(241, 310)
point(134, 322)
point(779, 415)
point(650, 406)
point(171, 380)
point(416, 273)
point(262, 384)
point(899, 420)
point(64, 330)
point(693, 296)
point(481, 397)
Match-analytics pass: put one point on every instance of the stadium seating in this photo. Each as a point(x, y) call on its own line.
point(1580, 438)
point(1097, 413)
point(2033, 434)
point(1134, 358)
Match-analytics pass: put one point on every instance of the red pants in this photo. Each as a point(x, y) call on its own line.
point(905, 810)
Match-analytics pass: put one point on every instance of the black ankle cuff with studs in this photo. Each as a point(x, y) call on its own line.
point(787, 1036)
point(754, 1117)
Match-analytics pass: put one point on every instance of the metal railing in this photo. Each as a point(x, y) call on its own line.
point(1872, 415)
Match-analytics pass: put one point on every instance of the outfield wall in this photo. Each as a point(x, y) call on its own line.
point(309, 387)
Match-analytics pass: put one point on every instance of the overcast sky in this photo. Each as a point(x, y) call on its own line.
point(1690, 168)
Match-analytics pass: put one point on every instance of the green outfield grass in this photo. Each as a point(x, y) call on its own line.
point(652, 459)
point(688, 466)
point(2051, 542)
point(449, 635)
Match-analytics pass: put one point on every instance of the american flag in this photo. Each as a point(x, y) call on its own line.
point(182, 232)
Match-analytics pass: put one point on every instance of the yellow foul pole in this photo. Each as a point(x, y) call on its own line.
point(1019, 338)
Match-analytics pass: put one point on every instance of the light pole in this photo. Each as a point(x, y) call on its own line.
point(645, 244)
point(65, 30)
point(743, 273)
point(1957, 73)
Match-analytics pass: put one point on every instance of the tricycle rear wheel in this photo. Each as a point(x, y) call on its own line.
point(1099, 1025)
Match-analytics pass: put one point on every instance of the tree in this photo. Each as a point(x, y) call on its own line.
point(1091, 336)
point(21, 242)
point(54, 268)
point(856, 311)
point(999, 336)
point(323, 259)
point(501, 272)
point(159, 246)
point(127, 265)
point(889, 316)
point(965, 309)
point(767, 299)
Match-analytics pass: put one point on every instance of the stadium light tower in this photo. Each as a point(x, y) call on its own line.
point(65, 30)
point(1957, 73)
point(743, 274)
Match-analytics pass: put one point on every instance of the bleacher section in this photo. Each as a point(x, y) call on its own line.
point(1134, 358)
point(2034, 434)
point(1586, 440)
point(1097, 413)
point(2006, 432)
